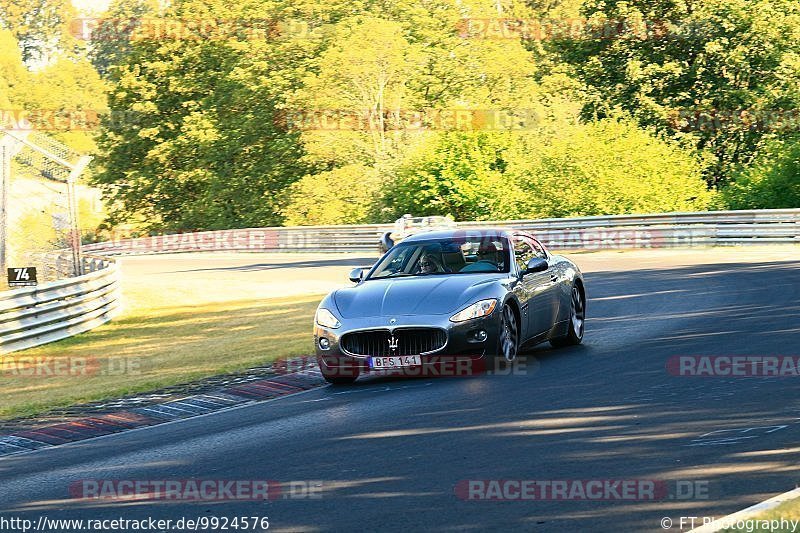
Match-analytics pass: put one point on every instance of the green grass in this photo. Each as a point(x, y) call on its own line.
point(787, 511)
point(163, 339)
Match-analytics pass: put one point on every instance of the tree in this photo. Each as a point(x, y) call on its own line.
point(396, 75)
point(41, 27)
point(14, 80)
point(229, 130)
point(210, 145)
point(679, 61)
point(111, 38)
point(772, 181)
point(70, 89)
point(607, 167)
point(381, 71)
point(193, 140)
point(344, 195)
point(461, 174)
point(363, 75)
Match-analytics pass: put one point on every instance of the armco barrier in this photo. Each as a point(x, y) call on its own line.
point(619, 231)
point(37, 315)
point(31, 317)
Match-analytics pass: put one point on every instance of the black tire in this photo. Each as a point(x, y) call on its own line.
point(339, 375)
point(508, 337)
point(577, 318)
point(339, 380)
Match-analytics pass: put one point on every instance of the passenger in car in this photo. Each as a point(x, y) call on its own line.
point(489, 260)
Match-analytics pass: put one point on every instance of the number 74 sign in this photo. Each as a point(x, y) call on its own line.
point(22, 277)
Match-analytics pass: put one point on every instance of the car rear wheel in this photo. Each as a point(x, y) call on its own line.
point(577, 316)
point(508, 339)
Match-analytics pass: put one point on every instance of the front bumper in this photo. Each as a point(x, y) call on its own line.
point(462, 354)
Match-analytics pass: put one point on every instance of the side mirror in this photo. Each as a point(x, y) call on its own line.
point(535, 264)
point(356, 275)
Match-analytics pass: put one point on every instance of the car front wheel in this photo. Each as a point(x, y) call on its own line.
point(508, 339)
point(339, 380)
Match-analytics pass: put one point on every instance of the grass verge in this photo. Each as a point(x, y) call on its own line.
point(160, 341)
point(781, 516)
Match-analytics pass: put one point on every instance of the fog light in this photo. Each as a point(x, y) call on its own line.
point(324, 343)
point(480, 335)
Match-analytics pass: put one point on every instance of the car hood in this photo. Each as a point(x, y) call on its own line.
point(423, 295)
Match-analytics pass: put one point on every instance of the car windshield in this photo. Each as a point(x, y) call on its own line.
point(457, 255)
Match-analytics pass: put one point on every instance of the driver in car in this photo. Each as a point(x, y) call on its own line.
point(429, 265)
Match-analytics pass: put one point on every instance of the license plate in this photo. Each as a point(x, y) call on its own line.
point(398, 361)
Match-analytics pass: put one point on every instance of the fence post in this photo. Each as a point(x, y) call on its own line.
point(5, 177)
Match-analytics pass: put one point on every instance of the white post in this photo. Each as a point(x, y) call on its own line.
point(5, 177)
point(75, 228)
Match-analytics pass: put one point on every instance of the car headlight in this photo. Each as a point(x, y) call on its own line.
point(326, 319)
point(476, 310)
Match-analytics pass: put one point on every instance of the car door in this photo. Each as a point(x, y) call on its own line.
point(542, 288)
point(525, 289)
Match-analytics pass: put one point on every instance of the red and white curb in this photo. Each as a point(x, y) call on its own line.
point(98, 425)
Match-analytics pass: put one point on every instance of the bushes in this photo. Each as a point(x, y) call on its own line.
point(605, 167)
point(344, 195)
point(461, 174)
point(772, 181)
point(608, 167)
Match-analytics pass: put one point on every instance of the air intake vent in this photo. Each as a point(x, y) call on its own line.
point(409, 341)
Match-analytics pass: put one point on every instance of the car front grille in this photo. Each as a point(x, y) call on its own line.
point(409, 341)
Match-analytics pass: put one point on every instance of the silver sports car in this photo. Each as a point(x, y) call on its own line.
point(453, 299)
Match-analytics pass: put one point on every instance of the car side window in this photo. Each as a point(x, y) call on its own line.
point(523, 252)
point(538, 249)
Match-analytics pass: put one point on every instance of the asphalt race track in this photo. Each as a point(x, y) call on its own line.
point(389, 452)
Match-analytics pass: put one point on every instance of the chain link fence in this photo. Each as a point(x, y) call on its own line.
point(42, 204)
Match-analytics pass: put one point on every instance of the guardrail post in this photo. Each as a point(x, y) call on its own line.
point(797, 227)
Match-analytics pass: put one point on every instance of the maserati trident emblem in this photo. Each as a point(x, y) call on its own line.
point(393, 344)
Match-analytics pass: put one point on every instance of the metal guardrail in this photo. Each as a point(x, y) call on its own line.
point(38, 315)
point(60, 309)
point(619, 231)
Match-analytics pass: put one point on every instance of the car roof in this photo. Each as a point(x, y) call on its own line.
point(461, 232)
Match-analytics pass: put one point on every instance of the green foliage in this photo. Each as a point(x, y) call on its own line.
point(208, 149)
point(376, 67)
point(194, 141)
point(461, 174)
point(771, 182)
point(344, 195)
point(14, 82)
point(41, 27)
point(711, 56)
point(365, 72)
point(111, 39)
point(68, 87)
point(608, 167)
point(199, 137)
point(71, 88)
